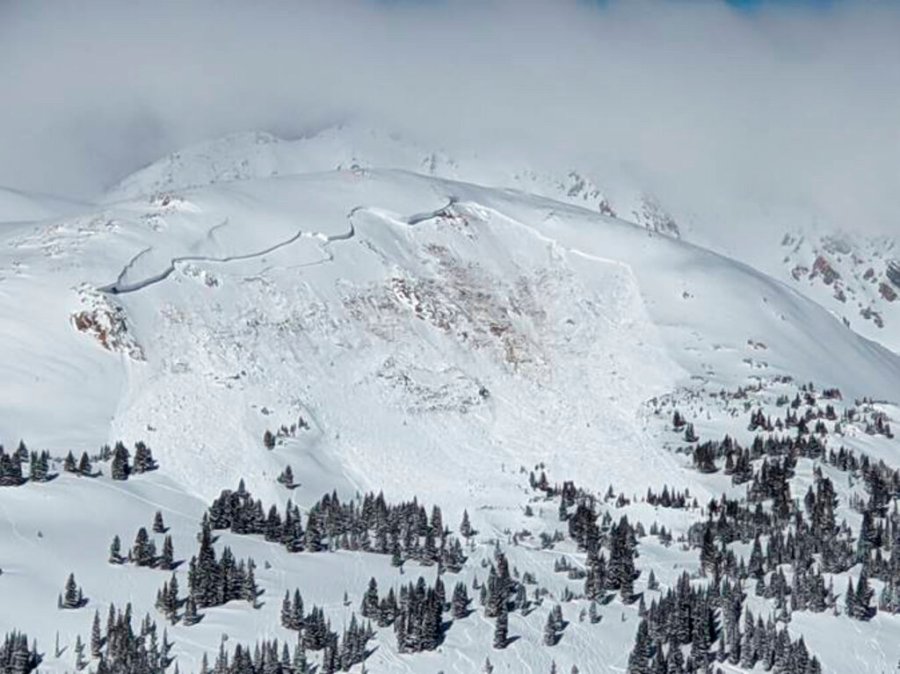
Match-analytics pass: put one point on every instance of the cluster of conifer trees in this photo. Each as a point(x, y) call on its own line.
point(795, 543)
point(671, 499)
point(403, 531)
point(122, 466)
point(16, 656)
point(11, 469)
point(72, 595)
point(11, 474)
point(121, 648)
point(707, 621)
point(418, 623)
point(81, 467)
point(617, 574)
point(144, 551)
point(214, 580)
point(315, 632)
point(267, 656)
point(804, 535)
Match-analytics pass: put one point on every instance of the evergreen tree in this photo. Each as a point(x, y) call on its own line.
point(159, 527)
point(143, 552)
point(80, 662)
point(84, 465)
point(300, 664)
point(190, 617)
point(120, 467)
point(115, 551)
point(465, 527)
point(501, 628)
point(96, 637)
point(286, 614)
point(10, 469)
point(167, 559)
point(72, 596)
point(862, 609)
point(143, 458)
point(689, 434)
point(639, 658)
point(287, 477)
point(459, 604)
point(39, 467)
point(369, 606)
point(553, 626)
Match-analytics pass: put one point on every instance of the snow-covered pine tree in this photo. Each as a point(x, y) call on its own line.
point(190, 616)
point(84, 465)
point(143, 458)
point(501, 628)
point(80, 662)
point(72, 596)
point(465, 526)
point(166, 560)
point(159, 526)
point(96, 636)
point(120, 468)
point(459, 604)
point(115, 551)
point(143, 552)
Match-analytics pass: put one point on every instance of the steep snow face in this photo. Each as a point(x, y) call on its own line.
point(393, 311)
point(848, 274)
point(387, 320)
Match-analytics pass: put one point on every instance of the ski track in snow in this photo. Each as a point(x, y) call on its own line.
point(159, 506)
point(15, 529)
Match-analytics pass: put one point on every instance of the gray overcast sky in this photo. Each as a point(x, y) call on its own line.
point(695, 98)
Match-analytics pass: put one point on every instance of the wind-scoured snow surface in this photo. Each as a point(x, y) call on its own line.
point(436, 335)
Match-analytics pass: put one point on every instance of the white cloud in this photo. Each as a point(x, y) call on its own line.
point(780, 107)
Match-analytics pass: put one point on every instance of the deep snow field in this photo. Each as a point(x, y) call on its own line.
point(442, 327)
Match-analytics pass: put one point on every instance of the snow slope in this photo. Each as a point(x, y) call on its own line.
point(436, 336)
point(246, 156)
point(18, 206)
point(764, 237)
point(278, 281)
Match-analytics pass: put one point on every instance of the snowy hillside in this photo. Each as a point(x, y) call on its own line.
point(261, 155)
point(17, 206)
point(382, 320)
point(855, 284)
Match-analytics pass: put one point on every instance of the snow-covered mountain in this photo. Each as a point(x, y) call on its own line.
point(386, 319)
point(855, 285)
point(856, 277)
point(246, 156)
